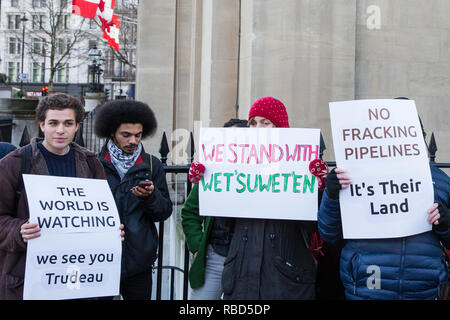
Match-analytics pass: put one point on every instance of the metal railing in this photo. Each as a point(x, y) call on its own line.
point(164, 151)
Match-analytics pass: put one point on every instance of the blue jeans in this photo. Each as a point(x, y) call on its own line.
point(212, 289)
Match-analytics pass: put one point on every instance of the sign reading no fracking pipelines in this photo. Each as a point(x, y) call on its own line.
point(259, 173)
point(380, 145)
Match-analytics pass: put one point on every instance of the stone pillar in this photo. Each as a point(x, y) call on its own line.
point(187, 67)
point(301, 52)
point(155, 64)
point(93, 100)
point(187, 78)
point(403, 49)
point(156, 85)
point(219, 62)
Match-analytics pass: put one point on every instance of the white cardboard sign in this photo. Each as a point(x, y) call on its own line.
point(380, 145)
point(258, 173)
point(78, 254)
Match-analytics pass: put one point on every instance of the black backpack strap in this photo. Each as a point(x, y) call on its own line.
point(151, 164)
point(26, 153)
point(91, 164)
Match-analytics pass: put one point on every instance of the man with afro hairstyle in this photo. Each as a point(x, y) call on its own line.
point(138, 183)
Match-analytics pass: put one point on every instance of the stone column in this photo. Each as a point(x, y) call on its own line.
point(219, 62)
point(187, 67)
point(93, 100)
point(403, 49)
point(155, 64)
point(301, 52)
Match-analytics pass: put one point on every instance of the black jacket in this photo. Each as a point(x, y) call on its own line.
point(138, 215)
point(269, 260)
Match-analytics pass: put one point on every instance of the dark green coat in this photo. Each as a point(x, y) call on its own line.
point(196, 229)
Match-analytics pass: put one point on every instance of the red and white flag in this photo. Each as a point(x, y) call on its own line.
point(110, 22)
point(112, 33)
point(105, 13)
point(85, 8)
point(104, 9)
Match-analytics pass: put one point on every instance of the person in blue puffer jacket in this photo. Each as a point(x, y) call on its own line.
point(411, 267)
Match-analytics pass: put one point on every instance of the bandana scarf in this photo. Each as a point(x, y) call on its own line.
point(122, 161)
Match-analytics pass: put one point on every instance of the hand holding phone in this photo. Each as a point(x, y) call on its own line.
point(145, 183)
point(141, 189)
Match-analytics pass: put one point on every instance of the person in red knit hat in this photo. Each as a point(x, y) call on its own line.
point(266, 111)
point(268, 259)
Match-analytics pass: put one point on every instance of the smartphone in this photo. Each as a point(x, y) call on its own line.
point(145, 183)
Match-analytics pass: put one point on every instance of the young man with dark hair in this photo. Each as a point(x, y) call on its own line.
point(138, 183)
point(59, 117)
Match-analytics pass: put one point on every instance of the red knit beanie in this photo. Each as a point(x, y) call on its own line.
point(272, 109)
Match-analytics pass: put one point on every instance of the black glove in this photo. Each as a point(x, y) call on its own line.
point(444, 220)
point(332, 185)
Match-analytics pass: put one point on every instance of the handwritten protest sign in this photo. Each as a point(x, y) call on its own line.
point(380, 145)
point(78, 254)
point(259, 173)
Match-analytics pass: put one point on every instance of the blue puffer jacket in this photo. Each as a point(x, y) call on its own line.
point(409, 268)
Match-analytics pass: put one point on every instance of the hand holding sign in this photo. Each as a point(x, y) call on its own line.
point(319, 169)
point(29, 231)
point(196, 172)
point(122, 233)
point(439, 217)
point(336, 180)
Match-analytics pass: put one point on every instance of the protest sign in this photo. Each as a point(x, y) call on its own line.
point(380, 145)
point(78, 254)
point(258, 173)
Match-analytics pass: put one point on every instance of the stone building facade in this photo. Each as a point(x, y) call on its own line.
point(201, 62)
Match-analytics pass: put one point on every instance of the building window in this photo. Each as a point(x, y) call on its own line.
point(13, 71)
point(93, 24)
point(109, 62)
point(38, 45)
point(62, 73)
point(14, 46)
point(60, 46)
point(14, 22)
point(62, 22)
point(35, 23)
point(39, 3)
point(92, 44)
point(14, 3)
point(37, 72)
point(38, 22)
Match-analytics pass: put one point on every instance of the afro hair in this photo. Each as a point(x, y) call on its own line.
point(112, 114)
